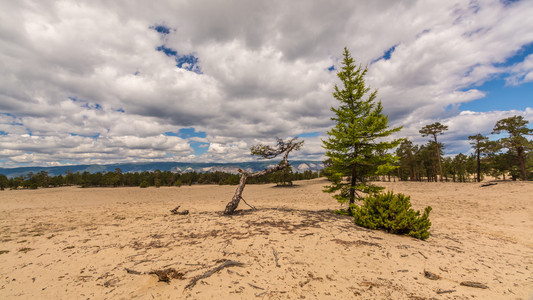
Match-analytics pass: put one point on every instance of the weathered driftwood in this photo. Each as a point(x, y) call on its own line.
point(176, 212)
point(474, 284)
point(265, 152)
point(226, 264)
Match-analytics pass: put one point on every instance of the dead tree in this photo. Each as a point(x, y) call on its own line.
point(266, 152)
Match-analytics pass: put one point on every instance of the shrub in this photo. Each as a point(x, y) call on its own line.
point(144, 184)
point(393, 213)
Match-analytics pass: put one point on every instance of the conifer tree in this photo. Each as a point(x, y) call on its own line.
point(479, 144)
point(517, 129)
point(358, 135)
point(434, 130)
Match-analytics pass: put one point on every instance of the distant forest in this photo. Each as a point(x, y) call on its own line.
point(145, 179)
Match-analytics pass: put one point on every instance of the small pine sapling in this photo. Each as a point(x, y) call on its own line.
point(393, 213)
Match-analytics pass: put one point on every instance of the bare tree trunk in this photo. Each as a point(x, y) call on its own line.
point(232, 205)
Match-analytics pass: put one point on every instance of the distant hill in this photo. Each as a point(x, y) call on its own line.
point(178, 167)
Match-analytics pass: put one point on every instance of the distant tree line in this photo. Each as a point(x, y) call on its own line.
point(145, 179)
point(510, 155)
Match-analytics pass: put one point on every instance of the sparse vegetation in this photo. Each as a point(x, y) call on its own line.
point(146, 179)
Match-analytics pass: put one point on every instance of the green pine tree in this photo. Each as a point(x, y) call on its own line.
point(358, 136)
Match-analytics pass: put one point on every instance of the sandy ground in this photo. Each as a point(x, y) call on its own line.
point(73, 243)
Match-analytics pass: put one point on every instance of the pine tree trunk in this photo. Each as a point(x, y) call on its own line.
point(478, 166)
point(438, 158)
point(519, 152)
point(352, 185)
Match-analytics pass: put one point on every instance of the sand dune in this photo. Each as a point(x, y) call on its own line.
point(73, 243)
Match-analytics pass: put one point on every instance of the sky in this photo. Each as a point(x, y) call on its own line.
point(95, 82)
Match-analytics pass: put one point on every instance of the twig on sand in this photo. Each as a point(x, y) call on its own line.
point(445, 291)
point(423, 255)
point(489, 184)
point(226, 264)
point(255, 286)
point(275, 256)
point(253, 207)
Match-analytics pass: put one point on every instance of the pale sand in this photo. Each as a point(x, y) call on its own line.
point(82, 240)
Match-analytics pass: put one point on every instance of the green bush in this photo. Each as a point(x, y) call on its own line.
point(393, 213)
point(144, 184)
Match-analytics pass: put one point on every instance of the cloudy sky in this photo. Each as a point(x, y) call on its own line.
point(94, 81)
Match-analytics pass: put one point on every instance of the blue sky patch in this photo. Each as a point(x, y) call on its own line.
point(188, 62)
point(500, 96)
point(199, 147)
point(518, 57)
point(332, 68)
point(309, 134)
point(161, 29)
point(120, 110)
point(94, 106)
point(389, 52)
point(95, 136)
point(167, 51)
point(14, 123)
point(3, 132)
point(186, 133)
point(386, 55)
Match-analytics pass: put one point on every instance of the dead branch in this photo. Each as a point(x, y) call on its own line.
point(251, 206)
point(175, 211)
point(226, 264)
point(445, 292)
point(474, 284)
point(489, 184)
point(255, 286)
point(275, 256)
